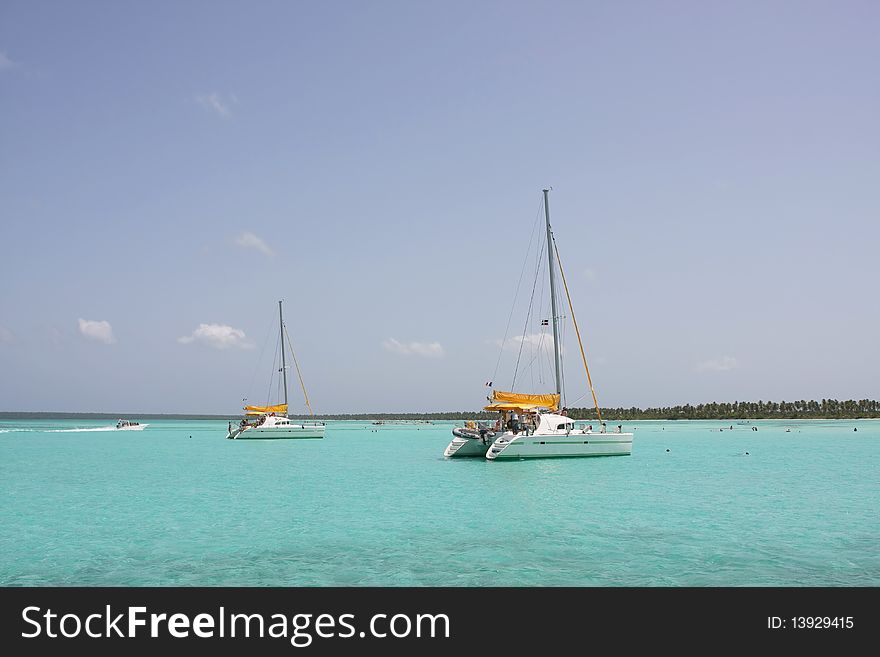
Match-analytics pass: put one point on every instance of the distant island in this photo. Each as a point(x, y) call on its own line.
point(828, 409)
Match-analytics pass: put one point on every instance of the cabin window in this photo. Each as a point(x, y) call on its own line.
point(561, 426)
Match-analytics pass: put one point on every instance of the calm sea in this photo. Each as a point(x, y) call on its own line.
point(378, 505)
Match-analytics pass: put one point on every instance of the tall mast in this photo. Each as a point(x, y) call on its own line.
point(283, 364)
point(552, 292)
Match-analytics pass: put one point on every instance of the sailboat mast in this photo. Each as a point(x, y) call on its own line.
point(283, 364)
point(552, 293)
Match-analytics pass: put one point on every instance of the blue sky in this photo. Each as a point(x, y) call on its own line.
point(379, 166)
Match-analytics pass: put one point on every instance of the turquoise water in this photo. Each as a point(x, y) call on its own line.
point(178, 504)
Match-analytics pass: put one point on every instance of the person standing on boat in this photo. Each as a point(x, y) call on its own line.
point(514, 422)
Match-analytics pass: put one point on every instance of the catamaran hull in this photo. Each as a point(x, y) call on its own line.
point(461, 446)
point(274, 433)
point(583, 444)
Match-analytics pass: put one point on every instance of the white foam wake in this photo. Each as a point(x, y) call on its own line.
point(77, 430)
point(110, 428)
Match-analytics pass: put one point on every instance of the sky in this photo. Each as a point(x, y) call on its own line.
point(169, 171)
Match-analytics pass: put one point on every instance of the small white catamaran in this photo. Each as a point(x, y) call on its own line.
point(272, 421)
point(535, 428)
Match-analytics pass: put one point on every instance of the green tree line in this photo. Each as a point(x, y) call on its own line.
point(824, 409)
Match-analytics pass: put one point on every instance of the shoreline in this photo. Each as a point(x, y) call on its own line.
point(386, 417)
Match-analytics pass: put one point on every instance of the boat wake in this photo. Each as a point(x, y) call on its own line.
point(110, 428)
point(31, 429)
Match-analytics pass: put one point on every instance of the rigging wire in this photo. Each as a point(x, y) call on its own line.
point(542, 341)
point(577, 331)
point(541, 350)
point(532, 352)
point(272, 376)
point(562, 328)
point(516, 293)
point(303, 385)
point(528, 315)
point(259, 360)
point(562, 362)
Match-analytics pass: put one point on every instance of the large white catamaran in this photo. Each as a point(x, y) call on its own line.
point(532, 425)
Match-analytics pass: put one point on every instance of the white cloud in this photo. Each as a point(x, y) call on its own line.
point(251, 241)
point(97, 330)
point(5, 62)
point(6, 335)
point(215, 103)
point(530, 340)
point(723, 364)
point(219, 336)
point(425, 349)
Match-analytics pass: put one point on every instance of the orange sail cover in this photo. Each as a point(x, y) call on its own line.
point(262, 410)
point(503, 401)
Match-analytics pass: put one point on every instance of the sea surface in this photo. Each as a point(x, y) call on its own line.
point(794, 503)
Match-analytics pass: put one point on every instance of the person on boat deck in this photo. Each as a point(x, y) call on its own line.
point(514, 422)
point(603, 427)
point(619, 428)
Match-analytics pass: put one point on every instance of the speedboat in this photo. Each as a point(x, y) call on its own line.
point(128, 425)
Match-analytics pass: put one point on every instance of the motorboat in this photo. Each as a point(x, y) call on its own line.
point(129, 425)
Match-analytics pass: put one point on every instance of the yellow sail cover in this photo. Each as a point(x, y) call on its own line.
point(508, 406)
point(262, 410)
point(507, 401)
